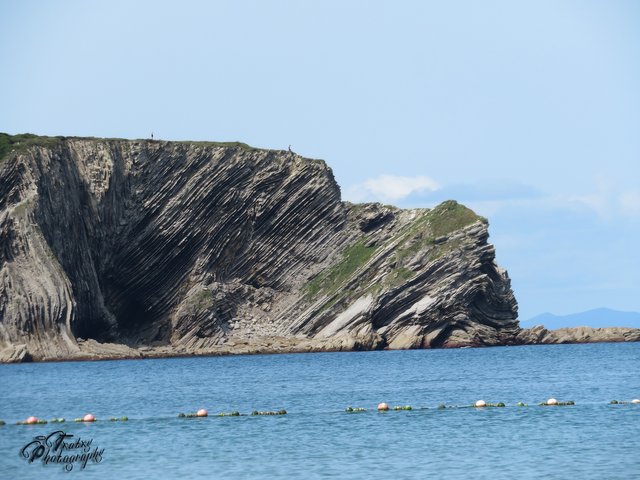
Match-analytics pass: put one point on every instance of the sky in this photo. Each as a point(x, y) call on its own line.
point(528, 112)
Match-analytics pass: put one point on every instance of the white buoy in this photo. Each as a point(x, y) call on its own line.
point(202, 413)
point(481, 403)
point(635, 400)
point(383, 407)
point(552, 401)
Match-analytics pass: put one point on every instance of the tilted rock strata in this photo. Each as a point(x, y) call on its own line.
point(540, 335)
point(173, 248)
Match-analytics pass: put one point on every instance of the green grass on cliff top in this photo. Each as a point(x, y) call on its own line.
point(23, 141)
point(442, 220)
point(450, 216)
point(218, 144)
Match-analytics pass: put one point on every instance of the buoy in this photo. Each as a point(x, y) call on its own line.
point(88, 418)
point(635, 400)
point(202, 413)
point(481, 403)
point(2, 423)
point(31, 421)
point(383, 407)
point(124, 419)
point(521, 404)
point(552, 401)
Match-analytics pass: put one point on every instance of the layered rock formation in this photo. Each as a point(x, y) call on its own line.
point(540, 335)
point(116, 248)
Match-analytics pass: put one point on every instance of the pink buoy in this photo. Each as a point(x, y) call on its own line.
point(31, 420)
point(383, 407)
point(552, 401)
point(88, 418)
point(636, 401)
point(202, 413)
point(481, 403)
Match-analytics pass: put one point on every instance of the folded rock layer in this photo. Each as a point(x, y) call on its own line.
point(113, 248)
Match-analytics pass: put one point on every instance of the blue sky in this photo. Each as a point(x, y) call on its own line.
point(528, 112)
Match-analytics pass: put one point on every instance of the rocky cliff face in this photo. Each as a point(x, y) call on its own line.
point(126, 248)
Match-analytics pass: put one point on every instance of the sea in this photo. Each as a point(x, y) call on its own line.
point(441, 437)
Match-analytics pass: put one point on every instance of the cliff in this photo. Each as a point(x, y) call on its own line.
point(114, 248)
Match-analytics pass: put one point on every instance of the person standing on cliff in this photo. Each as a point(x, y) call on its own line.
point(290, 151)
point(151, 135)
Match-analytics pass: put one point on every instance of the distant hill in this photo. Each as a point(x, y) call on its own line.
point(597, 318)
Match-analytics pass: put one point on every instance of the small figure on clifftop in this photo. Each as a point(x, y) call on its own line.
point(290, 151)
point(151, 135)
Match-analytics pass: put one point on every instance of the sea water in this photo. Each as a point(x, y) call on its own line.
point(317, 438)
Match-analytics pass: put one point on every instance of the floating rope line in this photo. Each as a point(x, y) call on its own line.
point(635, 401)
point(382, 407)
point(232, 414)
point(223, 414)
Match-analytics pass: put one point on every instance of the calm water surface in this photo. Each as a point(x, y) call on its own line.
point(317, 439)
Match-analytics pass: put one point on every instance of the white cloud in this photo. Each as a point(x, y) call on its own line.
point(609, 204)
point(605, 201)
point(390, 188)
point(605, 206)
point(600, 203)
point(630, 202)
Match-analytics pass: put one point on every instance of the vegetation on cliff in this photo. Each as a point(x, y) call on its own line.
point(22, 142)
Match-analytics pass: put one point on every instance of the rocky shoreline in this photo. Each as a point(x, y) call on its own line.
point(91, 350)
point(538, 335)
